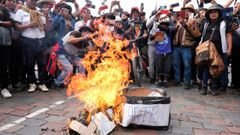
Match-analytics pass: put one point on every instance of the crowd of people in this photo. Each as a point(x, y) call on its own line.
point(50, 36)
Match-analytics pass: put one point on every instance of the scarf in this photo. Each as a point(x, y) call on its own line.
point(35, 16)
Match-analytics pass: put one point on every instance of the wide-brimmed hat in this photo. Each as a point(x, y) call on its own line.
point(190, 7)
point(214, 7)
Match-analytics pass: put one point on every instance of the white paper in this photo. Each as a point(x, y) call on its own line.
point(148, 115)
point(105, 126)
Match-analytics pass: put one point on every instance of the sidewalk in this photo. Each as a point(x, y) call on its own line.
point(192, 114)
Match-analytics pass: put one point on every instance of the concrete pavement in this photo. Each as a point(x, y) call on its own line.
point(42, 113)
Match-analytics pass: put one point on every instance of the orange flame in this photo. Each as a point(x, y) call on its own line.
point(107, 74)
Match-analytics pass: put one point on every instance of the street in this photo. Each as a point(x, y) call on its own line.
point(47, 113)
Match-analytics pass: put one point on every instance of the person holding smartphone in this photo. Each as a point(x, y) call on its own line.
point(183, 41)
point(236, 47)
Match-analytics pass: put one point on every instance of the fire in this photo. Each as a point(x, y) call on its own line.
point(108, 73)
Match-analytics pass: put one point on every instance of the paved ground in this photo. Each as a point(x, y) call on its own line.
point(47, 114)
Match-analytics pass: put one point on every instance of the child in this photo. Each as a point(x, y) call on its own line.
point(163, 53)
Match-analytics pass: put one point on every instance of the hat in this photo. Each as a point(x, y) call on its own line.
point(85, 29)
point(214, 7)
point(64, 5)
point(166, 19)
point(190, 7)
point(134, 9)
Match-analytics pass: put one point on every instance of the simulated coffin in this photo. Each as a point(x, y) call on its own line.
point(146, 107)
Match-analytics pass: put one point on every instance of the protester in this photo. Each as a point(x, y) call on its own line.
point(183, 42)
point(32, 38)
point(5, 46)
point(216, 30)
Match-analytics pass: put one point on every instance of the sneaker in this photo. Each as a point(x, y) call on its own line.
point(18, 87)
point(203, 91)
point(223, 89)
point(32, 87)
point(187, 86)
point(215, 92)
point(43, 88)
point(199, 87)
point(152, 81)
point(165, 84)
point(5, 93)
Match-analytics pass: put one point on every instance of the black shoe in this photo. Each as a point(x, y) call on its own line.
point(187, 86)
point(203, 91)
point(199, 87)
point(18, 87)
point(215, 92)
point(159, 84)
point(175, 83)
point(165, 84)
point(152, 81)
point(223, 89)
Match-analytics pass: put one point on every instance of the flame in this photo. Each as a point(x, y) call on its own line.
point(108, 73)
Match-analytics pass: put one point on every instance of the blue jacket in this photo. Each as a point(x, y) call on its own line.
point(59, 26)
point(164, 47)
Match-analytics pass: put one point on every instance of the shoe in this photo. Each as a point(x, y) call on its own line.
point(18, 87)
point(223, 89)
point(152, 81)
point(187, 86)
point(203, 91)
point(43, 88)
point(165, 84)
point(32, 87)
point(159, 84)
point(5, 93)
point(175, 83)
point(215, 92)
point(199, 87)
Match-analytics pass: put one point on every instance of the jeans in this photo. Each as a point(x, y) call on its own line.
point(203, 74)
point(4, 58)
point(151, 59)
point(66, 68)
point(182, 54)
point(34, 50)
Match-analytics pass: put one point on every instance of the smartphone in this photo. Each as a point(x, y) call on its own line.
point(175, 5)
point(181, 14)
point(227, 12)
point(89, 5)
point(236, 20)
point(190, 16)
point(103, 8)
point(142, 4)
point(165, 12)
point(162, 7)
point(119, 10)
point(207, 1)
point(69, 1)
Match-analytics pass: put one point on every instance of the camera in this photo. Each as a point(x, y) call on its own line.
point(236, 20)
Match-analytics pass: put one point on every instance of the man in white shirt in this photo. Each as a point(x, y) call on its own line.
point(31, 24)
